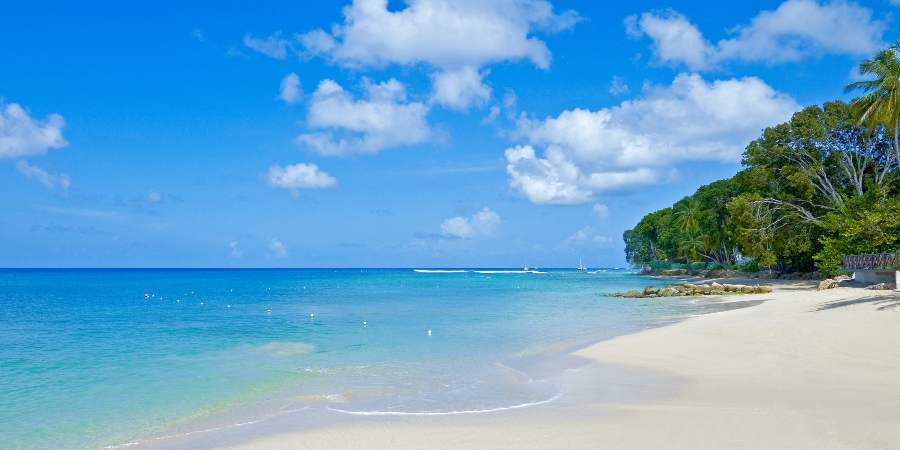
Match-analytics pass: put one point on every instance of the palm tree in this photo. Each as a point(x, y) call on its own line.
point(688, 214)
point(881, 103)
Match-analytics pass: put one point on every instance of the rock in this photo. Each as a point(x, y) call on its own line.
point(762, 290)
point(669, 292)
point(883, 287)
point(746, 289)
point(633, 294)
point(769, 276)
point(829, 283)
point(717, 286)
point(651, 290)
point(847, 282)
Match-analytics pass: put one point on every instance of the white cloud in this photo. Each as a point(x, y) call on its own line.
point(199, 35)
point(49, 181)
point(460, 89)
point(639, 141)
point(21, 135)
point(586, 236)
point(273, 46)
point(290, 88)
point(299, 176)
point(458, 37)
point(601, 211)
point(278, 248)
point(796, 29)
point(153, 196)
point(481, 223)
point(447, 34)
point(235, 253)
point(382, 119)
point(618, 87)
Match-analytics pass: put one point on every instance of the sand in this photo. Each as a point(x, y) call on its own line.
point(804, 369)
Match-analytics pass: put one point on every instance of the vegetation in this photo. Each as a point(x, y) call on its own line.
point(819, 186)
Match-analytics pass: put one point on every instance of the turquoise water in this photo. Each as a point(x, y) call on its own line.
point(87, 361)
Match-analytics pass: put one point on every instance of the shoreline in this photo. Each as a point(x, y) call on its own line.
point(804, 369)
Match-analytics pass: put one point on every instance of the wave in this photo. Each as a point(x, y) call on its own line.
point(448, 413)
point(439, 271)
point(507, 271)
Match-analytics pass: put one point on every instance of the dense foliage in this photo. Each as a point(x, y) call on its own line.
point(819, 186)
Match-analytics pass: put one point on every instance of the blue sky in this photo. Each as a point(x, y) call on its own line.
point(424, 133)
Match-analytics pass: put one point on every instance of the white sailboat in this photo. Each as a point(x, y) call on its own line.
point(580, 265)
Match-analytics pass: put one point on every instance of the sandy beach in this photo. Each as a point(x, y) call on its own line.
point(803, 369)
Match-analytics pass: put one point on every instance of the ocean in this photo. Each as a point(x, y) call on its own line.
point(99, 358)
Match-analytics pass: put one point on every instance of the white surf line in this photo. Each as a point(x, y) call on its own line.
point(477, 411)
point(205, 431)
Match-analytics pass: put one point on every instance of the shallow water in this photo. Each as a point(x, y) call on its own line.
point(87, 361)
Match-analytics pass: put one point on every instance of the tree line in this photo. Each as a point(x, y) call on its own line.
point(819, 186)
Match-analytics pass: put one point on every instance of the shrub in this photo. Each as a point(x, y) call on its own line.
point(675, 266)
point(714, 266)
point(698, 265)
point(750, 266)
point(659, 264)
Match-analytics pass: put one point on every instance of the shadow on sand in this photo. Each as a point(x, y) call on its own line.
point(886, 301)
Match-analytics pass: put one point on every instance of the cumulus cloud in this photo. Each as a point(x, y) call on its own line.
point(460, 89)
point(586, 237)
point(153, 196)
point(235, 253)
point(447, 34)
point(22, 135)
point(49, 181)
point(382, 119)
point(457, 37)
point(299, 176)
point(618, 87)
point(796, 29)
point(290, 88)
point(639, 141)
point(278, 248)
point(273, 46)
point(481, 223)
point(601, 211)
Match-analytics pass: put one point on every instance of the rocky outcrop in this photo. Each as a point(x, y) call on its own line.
point(687, 289)
point(829, 283)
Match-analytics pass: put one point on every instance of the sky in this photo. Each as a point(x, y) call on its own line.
point(373, 133)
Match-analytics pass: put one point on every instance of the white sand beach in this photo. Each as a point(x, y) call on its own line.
point(803, 370)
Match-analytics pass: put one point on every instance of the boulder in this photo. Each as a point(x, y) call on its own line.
point(883, 287)
point(716, 286)
point(762, 290)
point(633, 294)
point(650, 290)
point(829, 283)
point(669, 292)
point(746, 289)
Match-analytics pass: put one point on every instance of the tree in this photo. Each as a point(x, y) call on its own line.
point(869, 224)
point(880, 105)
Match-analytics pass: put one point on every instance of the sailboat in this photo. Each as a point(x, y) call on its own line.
point(580, 265)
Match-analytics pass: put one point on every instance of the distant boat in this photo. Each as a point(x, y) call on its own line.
point(580, 265)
